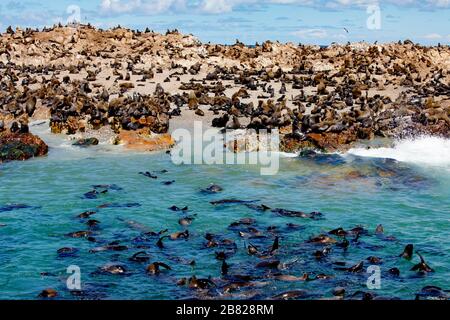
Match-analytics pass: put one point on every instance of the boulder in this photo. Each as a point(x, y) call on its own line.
point(86, 142)
point(331, 141)
point(21, 146)
point(327, 141)
point(141, 140)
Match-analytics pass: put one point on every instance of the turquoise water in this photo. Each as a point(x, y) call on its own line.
point(411, 201)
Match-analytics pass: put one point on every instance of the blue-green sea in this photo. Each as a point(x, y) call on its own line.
point(41, 198)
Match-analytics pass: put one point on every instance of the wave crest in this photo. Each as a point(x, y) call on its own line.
point(432, 151)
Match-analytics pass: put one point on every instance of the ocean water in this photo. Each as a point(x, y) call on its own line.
point(406, 188)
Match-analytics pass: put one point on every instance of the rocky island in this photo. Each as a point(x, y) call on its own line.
point(128, 87)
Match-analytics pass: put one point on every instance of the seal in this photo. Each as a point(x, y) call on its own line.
point(140, 257)
point(422, 266)
point(275, 245)
point(175, 208)
point(186, 221)
point(338, 232)
point(213, 188)
point(224, 268)
point(179, 235)
point(322, 239)
point(48, 293)
point(195, 283)
point(66, 252)
point(86, 214)
point(231, 201)
point(160, 243)
point(148, 175)
point(155, 268)
point(290, 295)
point(79, 234)
point(114, 269)
point(407, 252)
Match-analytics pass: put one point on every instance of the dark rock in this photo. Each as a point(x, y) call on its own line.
point(21, 146)
point(86, 142)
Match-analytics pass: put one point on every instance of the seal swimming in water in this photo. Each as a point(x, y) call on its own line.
point(196, 283)
point(140, 257)
point(268, 264)
point(148, 175)
point(433, 292)
point(93, 224)
point(114, 269)
point(66, 252)
point(231, 201)
point(338, 232)
point(213, 188)
point(422, 266)
point(186, 221)
point(93, 194)
point(260, 208)
point(179, 235)
point(160, 243)
point(155, 268)
point(86, 214)
point(394, 272)
point(79, 234)
point(322, 239)
point(48, 293)
point(290, 295)
point(175, 208)
point(407, 252)
point(295, 214)
point(224, 268)
point(275, 245)
point(354, 269)
point(379, 229)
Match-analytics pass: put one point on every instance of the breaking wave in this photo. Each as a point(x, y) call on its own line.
point(431, 151)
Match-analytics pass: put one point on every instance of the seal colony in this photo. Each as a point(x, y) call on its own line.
point(123, 86)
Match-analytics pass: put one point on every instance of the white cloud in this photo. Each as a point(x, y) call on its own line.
point(224, 6)
point(432, 36)
point(311, 33)
point(217, 6)
point(140, 6)
point(439, 3)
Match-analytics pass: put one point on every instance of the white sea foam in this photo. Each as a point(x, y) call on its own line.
point(430, 151)
point(287, 155)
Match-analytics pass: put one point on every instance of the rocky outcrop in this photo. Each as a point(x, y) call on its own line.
point(329, 142)
point(131, 81)
point(21, 146)
point(143, 141)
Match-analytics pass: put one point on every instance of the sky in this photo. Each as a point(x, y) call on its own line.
point(223, 21)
